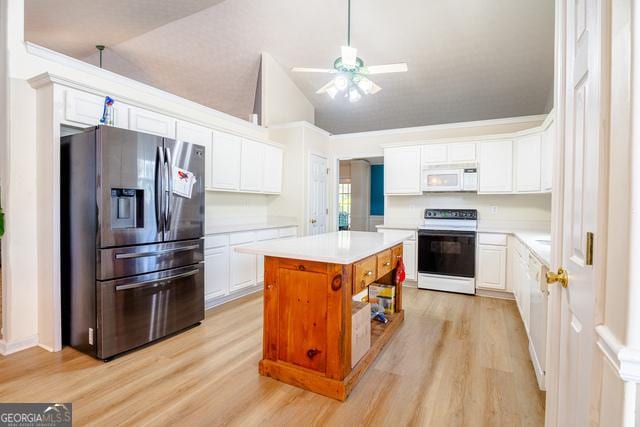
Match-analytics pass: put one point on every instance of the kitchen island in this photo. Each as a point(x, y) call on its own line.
point(308, 288)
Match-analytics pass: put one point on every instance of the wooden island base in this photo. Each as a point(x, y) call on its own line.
point(337, 389)
point(307, 320)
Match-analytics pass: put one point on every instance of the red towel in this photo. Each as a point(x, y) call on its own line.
point(400, 273)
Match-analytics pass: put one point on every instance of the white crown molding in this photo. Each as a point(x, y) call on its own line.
point(303, 124)
point(625, 360)
point(9, 347)
point(460, 125)
point(76, 64)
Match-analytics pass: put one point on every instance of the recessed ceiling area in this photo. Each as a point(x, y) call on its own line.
point(468, 60)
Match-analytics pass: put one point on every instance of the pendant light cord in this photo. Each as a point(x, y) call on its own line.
point(349, 23)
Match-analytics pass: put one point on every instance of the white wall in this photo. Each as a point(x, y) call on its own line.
point(533, 210)
point(300, 139)
point(282, 101)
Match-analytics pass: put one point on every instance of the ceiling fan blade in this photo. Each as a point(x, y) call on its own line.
point(388, 68)
point(324, 88)
point(349, 55)
point(313, 70)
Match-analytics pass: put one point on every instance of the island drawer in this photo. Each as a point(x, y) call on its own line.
point(384, 262)
point(364, 273)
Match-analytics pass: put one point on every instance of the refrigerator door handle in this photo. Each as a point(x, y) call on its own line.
point(159, 192)
point(156, 253)
point(167, 161)
point(153, 281)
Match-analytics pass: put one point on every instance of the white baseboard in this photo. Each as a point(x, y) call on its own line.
point(492, 293)
point(208, 304)
point(9, 347)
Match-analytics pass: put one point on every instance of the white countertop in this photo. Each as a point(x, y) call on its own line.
point(342, 247)
point(231, 225)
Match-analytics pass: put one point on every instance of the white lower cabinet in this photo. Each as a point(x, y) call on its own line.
point(492, 264)
point(230, 274)
point(410, 259)
point(409, 252)
point(216, 273)
point(492, 261)
point(243, 269)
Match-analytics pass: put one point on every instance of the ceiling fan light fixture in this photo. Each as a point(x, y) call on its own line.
point(354, 95)
point(341, 82)
point(332, 91)
point(365, 85)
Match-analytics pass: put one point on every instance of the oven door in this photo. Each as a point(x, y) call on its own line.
point(447, 253)
point(441, 180)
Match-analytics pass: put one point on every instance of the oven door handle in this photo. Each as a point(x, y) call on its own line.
point(459, 233)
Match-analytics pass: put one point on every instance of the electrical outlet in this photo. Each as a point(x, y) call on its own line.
point(494, 209)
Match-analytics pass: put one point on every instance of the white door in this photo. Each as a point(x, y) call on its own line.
point(402, 170)
point(225, 161)
point(318, 213)
point(495, 167)
point(582, 125)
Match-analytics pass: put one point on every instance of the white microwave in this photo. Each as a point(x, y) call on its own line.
point(451, 179)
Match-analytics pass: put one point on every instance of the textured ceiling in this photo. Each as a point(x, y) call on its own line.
point(75, 27)
point(468, 59)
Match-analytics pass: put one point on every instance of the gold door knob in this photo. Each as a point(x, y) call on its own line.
point(560, 277)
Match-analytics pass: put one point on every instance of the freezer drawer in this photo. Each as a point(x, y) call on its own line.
point(135, 311)
point(133, 260)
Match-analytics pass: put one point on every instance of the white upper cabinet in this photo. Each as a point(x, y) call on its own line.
point(495, 167)
point(150, 122)
point(195, 134)
point(546, 158)
point(457, 152)
point(272, 171)
point(527, 164)
point(251, 166)
point(225, 162)
point(402, 170)
point(462, 152)
point(434, 153)
point(87, 108)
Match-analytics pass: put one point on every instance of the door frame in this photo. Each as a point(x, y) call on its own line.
point(554, 310)
point(335, 180)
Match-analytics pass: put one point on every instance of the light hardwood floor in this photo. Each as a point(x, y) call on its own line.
point(457, 360)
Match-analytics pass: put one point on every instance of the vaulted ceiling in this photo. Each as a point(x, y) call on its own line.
point(468, 59)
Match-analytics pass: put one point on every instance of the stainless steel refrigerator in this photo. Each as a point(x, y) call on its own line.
point(132, 221)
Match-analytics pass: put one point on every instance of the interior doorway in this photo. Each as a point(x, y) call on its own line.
point(361, 194)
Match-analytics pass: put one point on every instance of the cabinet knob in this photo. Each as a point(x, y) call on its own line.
point(312, 352)
point(387, 264)
point(369, 273)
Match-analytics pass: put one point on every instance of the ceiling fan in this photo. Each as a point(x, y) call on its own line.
point(352, 74)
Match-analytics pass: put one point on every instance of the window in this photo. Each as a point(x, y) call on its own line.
point(344, 206)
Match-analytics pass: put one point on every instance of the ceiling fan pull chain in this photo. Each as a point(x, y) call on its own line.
point(348, 22)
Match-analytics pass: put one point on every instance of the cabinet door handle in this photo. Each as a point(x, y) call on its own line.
point(387, 264)
point(369, 273)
